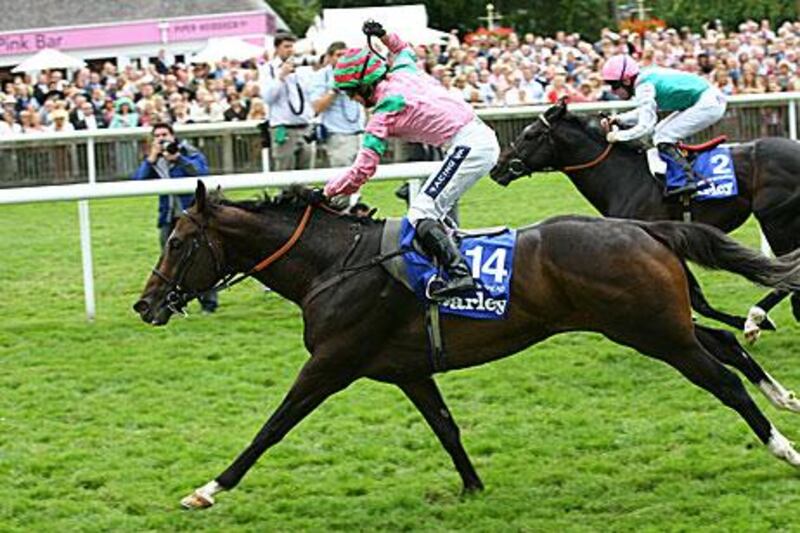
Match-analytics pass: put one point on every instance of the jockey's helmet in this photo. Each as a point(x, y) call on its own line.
point(358, 69)
point(620, 68)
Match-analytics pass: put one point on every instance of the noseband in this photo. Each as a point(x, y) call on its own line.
point(518, 167)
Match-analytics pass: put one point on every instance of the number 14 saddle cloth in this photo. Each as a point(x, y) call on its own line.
point(489, 254)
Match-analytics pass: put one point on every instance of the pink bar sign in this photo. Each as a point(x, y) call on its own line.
point(73, 38)
point(221, 26)
point(132, 33)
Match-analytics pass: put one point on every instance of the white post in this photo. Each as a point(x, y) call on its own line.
point(265, 160)
point(86, 236)
point(793, 119)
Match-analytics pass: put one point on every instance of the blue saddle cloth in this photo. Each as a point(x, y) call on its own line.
point(714, 167)
point(491, 258)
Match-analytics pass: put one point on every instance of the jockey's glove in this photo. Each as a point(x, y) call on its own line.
point(372, 27)
point(611, 136)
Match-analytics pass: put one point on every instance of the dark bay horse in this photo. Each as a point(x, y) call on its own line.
point(620, 184)
point(624, 279)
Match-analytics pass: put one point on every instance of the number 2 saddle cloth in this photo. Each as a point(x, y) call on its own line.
point(488, 252)
point(712, 164)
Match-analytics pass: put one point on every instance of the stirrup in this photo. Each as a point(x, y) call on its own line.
point(690, 188)
point(439, 289)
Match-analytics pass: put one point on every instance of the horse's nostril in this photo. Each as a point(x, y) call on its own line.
point(141, 307)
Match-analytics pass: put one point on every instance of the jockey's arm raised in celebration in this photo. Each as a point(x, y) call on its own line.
point(695, 105)
point(409, 105)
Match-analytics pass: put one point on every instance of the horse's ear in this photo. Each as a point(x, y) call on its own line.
point(200, 196)
point(554, 113)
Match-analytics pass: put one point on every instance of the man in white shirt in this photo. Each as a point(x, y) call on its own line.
point(290, 109)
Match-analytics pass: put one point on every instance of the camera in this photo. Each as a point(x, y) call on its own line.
point(315, 133)
point(170, 147)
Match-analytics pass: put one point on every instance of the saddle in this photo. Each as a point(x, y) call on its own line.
point(712, 164)
point(396, 266)
point(412, 264)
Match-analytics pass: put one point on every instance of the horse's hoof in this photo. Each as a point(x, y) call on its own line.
point(197, 501)
point(472, 489)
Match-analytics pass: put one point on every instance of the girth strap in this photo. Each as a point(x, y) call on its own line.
point(433, 328)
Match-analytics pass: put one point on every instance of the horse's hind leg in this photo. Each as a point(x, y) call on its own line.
point(724, 346)
point(425, 395)
point(702, 369)
point(704, 308)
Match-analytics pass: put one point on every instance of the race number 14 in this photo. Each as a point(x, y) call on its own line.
point(495, 264)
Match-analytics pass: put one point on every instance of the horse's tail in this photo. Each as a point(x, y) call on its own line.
point(711, 248)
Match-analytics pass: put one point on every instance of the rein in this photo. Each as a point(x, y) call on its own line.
point(231, 280)
point(594, 162)
point(518, 167)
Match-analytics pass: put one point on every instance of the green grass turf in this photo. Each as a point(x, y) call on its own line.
point(105, 426)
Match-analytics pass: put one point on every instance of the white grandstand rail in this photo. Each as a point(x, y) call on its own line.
point(250, 126)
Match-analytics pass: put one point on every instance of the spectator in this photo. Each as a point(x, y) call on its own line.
point(289, 109)
point(87, 119)
point(258, 111)
point(341, 120)
point(124, 114)
point(60, 121)
point(236, 110)
point(168, 158)
point(9, 126)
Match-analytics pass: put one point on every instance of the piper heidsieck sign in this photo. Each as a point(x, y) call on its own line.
point(141, 32)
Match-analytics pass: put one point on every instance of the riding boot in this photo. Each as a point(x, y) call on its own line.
point(673, 152)
point(435, 240)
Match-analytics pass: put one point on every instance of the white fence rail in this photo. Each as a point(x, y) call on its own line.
point(85, 191)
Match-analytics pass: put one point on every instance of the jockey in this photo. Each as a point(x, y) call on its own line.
point(409, 105)
point(695, 105)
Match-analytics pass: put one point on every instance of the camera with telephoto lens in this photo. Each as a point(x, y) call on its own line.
point(170, 147)
point(315, 133)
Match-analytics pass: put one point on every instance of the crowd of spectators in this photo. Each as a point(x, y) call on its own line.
point(514, 70)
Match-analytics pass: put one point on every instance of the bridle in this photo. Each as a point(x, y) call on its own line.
point(178, 296)
point(518, 167)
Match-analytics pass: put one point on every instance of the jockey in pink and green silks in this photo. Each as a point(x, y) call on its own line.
point(408, 104)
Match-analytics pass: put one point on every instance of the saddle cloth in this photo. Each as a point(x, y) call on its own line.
point(489, 253)
point(713, 166)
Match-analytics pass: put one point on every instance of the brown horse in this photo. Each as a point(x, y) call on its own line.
point(617, 181)
point(624, 279)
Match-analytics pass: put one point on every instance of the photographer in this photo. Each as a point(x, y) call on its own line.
point(341, 120)
point(171, 158)
point(289, 110)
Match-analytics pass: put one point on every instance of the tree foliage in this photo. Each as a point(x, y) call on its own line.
point(298, 14)
point(694, 13)
point(586, 17)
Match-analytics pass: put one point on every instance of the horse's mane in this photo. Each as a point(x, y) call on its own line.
point(295, 196)
point(592, 127)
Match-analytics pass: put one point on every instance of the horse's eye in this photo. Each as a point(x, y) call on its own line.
point(175, 244)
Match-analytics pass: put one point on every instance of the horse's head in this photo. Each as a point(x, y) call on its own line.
point(192, 262)
point(542, 144)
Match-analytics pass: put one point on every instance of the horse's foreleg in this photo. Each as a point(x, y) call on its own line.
point(425, 395)
point(312, 386)
point(724, 346)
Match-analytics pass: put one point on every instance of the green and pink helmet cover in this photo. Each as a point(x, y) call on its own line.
point(358, 67)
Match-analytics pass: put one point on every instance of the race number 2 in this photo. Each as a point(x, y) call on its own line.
point(495, 264)
point(721, 164)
